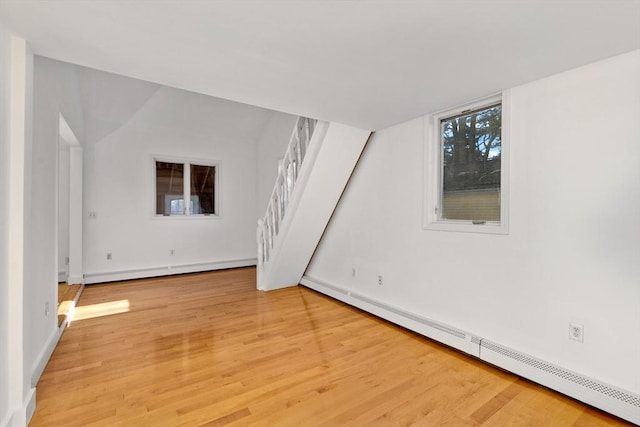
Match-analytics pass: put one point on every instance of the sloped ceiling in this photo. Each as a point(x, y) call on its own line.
point(368, 64)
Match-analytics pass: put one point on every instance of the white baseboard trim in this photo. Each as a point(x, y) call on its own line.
point(45, 354)
point(22, 416)
point(43, 359)
point(75, 280)
point(619, 402)
point(30, 405)
point(141, 273)
point(453, 337)
point(47, 351)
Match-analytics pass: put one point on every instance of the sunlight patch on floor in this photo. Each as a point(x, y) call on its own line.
point(98, 310)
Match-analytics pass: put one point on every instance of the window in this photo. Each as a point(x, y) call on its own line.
point(466, 168)
point(185, 187)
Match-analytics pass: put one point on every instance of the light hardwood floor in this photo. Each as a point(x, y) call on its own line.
point(208, 349)
point(66, 295)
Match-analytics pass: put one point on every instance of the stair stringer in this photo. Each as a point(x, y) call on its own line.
point(334, 150)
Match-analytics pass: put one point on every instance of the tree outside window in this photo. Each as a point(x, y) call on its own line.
point(471, 165)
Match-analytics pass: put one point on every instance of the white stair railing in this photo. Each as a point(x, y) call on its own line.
point(269, 226)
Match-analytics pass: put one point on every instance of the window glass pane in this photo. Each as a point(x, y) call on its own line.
point(471, 154)
point(177, 205)
point(202, 189)
point(169, 188)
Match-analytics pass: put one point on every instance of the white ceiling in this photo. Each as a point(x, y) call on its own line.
point(364, 63)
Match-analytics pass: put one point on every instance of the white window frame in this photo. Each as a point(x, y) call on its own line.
point(433, 170)
point(186, 191)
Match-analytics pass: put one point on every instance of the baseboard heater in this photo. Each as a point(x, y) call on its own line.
point(622, 403)
point(166, 270)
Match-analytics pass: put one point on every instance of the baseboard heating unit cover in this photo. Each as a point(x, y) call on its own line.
point(166, 270)
point(622, 403)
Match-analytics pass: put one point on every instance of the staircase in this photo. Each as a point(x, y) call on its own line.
point(316, 167)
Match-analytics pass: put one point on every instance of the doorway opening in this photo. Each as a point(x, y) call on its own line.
point(69, 223)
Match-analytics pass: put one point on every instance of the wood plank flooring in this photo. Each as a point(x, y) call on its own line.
point(66, 296)
point(209, 350)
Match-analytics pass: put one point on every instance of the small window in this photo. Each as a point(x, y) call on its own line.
point(466, 168)
point(185, 188)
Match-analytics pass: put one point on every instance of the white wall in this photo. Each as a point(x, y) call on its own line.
point(56, 91)
point(76, 186)
point(16, 118)
point(32, 252)
point(63, 211)
point(34, 327)
point(41, 245)
point(4, 225)
point(573, 250)
point(271, 148)
point(127, 122)
point(121, 122)
point(332, 154)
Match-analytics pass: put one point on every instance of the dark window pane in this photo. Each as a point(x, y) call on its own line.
point(202, 189)
point(169, 188)
point(471, 155)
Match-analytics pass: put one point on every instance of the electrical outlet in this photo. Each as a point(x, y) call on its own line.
point(380, 280)
point(93, 215)
point(172, 252)
point(353, 272)
point(576, 332)
point(46, 308)
point(109, 255)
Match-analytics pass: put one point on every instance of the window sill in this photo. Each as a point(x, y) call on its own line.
point(185, 217)
point(488, 227)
